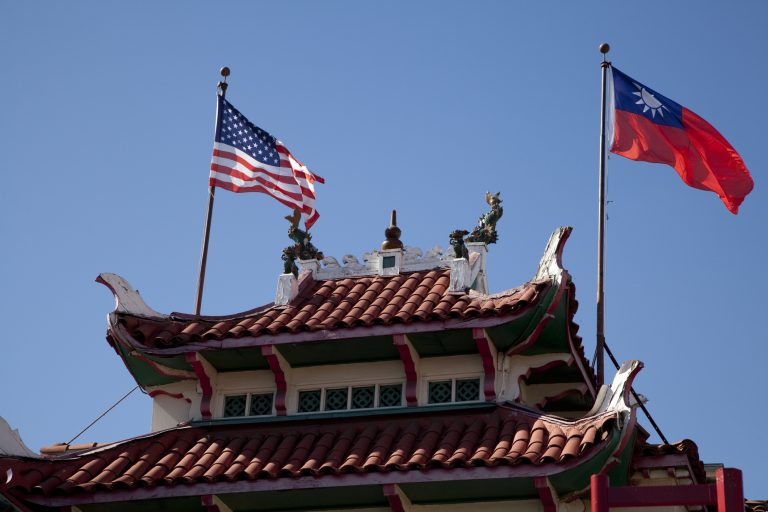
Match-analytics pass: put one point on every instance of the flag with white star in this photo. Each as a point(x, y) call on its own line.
point(249, 159)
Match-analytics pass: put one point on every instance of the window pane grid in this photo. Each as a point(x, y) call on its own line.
point(234, 406)
point(467, 390)
point(363, 398)
point(309, 401)
point(261, 404)
point(390, 395)
point(336, 399)
point(440, 392)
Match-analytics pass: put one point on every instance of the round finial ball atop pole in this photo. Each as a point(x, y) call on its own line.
point(224, 71)
point(604, 48)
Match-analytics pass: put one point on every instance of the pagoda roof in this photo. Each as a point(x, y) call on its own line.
point(336, 316)
point(468, 450)
point(420, 297)
point(217, 457)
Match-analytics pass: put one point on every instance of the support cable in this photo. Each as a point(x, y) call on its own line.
point(103, 414)
point(637, 398)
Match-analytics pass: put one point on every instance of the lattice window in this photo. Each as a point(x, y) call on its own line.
point(467, 390)
point(363, 398)
point(234, 406)
point(391, 395)
point(336, 399)
point(440, 392)
point(346, 398)
point(261, 404)
point(309, 401)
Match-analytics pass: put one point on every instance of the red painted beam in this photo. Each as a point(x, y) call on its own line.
point(662, 495)
point(730, 490)
point(727, 493)
point(599, 493)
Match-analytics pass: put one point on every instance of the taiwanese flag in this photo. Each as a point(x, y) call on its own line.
point(650, 127)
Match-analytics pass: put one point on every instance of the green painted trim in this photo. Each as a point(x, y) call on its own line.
point(142, 372)
point(577, 479)
point(509, 335)
point(619, 474)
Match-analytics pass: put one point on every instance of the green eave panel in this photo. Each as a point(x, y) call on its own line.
point(443, 343)
point(355, 350)
point(554, 336)
point(514, 332)
point(307, 499)
point(236, 359)
point(559, 374)
point(191, 503)
point(619, 474)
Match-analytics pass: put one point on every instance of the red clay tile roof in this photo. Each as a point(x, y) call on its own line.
point(488, 436)
point(337, 304)
point(685, 447)
point(756, 505)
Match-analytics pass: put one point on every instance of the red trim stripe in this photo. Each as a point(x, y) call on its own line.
point(234, 173)
point(285, 178)
point(258, 188)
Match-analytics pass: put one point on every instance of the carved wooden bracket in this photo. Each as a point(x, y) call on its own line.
point(212, 503)
point(280, 368)
point(205, 374)
point(397, 499)
point(547, 494)
point(488, 353)
point(410, 360)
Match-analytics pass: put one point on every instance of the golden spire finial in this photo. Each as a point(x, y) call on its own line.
point(393, 234)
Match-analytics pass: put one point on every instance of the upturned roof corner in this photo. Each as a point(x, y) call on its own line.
point(127, 298)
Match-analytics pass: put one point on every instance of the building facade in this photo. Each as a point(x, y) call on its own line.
point(394, 382)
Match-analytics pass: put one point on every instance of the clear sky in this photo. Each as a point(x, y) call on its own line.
point(105, 141)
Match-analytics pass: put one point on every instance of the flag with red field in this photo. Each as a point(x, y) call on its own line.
point(650, 127)
point(248, 159)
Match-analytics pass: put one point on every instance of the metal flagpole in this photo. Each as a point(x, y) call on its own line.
point(222, 91)
point(600, 349)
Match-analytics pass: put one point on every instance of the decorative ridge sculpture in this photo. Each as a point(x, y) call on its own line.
point(393, 234)
point(484, 232)
point(302, 249)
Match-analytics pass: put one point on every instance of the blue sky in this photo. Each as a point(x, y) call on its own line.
point(105, 142)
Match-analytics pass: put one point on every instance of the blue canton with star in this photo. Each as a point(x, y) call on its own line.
point(632, 96)
point(237, 131)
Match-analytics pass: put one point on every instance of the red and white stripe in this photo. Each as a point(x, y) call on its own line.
point(291, 183)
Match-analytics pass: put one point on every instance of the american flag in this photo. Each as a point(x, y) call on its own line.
point(248, 159)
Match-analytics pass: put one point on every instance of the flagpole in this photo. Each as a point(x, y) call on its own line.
point(222, 91)
point(600, 348)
